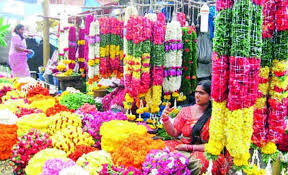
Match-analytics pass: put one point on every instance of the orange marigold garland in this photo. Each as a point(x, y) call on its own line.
point(8, 136)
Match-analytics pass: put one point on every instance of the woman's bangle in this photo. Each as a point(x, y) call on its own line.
point(190, 148)
point(165, 118)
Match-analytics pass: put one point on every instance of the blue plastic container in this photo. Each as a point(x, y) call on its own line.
point(55, 81)
point(41, 78)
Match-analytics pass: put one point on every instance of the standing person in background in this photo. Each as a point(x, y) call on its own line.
point(18, 53)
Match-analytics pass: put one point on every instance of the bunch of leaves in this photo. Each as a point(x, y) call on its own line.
point(4, 29)
point(161, 132)
point(76, 100)
point(281, 45)
point(267, 52)
point(241, 28)
point(256, 32)
point(222, 39)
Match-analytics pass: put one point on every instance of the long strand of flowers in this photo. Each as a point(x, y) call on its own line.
point(189, 80)
point(72, 49)
point(89, 19)
point(261, 109)
point(91, 53)
point(278, 100)
point(157, 61)
point(172, 45)
point(104, 47)
point(220, 77)
point(81, 47)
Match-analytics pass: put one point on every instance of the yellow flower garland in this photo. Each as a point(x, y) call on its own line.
point(216, 129)
point(114, 132)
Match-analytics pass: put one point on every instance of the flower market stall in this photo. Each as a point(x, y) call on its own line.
point(144, 64)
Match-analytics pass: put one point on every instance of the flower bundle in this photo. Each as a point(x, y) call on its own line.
point(110, 169)
point(81, 51)
point(220, 77)
point(37, 89)
point(116, 131)
point(62, 120)
point(116, 46)
point(76, 100)
point(181, 17)
point(4, 89)
point(133, 150)
point(173, 60)
point(189, 80)
point(86, 109)
point(8, 138)
point(89, 19)
point(57, 108)
point(165, 162)
point(54, 166)
point(94, 161)
point(72, 51)
point(62, 29)
point(105, 27)
point(281, 16)
point(240, 115)
point(13, 95)
point(26, 111)
point(94, 52)
point(27, 146)
point(68, 138)
point(157, 61)
point(36, 163)
point(38, 121)
point(80, 150)
point(13, 104)
point(42, 102)
point(92, 123)
point(74, 170)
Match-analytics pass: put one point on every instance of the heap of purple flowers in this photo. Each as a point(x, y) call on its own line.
point(92, 123)
point(54, 166)
point(164, 162)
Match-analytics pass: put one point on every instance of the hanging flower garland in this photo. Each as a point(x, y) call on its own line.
point(220, 77)
point(181, 17)
point(259, 137)
point(81, 51)
point(105, 68)
point(157, 61)
point(91, 54)
point(72, 50)
point(189, 80)
point(173, 60)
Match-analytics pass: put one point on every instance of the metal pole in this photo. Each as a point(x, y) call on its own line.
point(46, 45)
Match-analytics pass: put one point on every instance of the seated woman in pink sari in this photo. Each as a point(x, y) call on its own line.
point(18, 53)
point(193, 123)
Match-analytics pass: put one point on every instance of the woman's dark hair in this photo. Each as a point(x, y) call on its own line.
point(17, 28)
point(206, 85)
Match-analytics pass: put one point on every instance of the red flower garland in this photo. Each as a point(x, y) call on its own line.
point(80, 150)
point(72, 47)
point(38, 89)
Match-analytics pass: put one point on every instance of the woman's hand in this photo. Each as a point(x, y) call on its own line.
point(29, 51)
point(166, 111)
point(185, 147)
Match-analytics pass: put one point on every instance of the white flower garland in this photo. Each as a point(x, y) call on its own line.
point(97, 49)
point(91, 53)
point(151, 16)
point(178, 57)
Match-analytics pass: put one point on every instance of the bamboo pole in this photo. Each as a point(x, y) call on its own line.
point(46, 45)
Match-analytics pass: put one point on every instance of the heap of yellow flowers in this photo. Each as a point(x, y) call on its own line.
point(67, 139)
point(114, 132)
point(14, 94)
point(36, 163)
point(94, 161)
point(43, 104)
point(62, 120)
point(38, 121)
point(13, 104)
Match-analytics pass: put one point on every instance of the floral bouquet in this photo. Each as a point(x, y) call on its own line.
point(37, 121)
point(80, 150)
point(27, 146)
point(92, 123)
point(116, 131)
point(63, 120)
point(164, 162)
point(94, 161)
point(110, 169)
point(67, 139)
point(36, 163)
point(54, 166)
point(133, 150)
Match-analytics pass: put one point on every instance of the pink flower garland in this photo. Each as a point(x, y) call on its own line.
point(72, 47)
point(89, 19)
point(281, 15)
point(224, 4)
point(181, 17)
